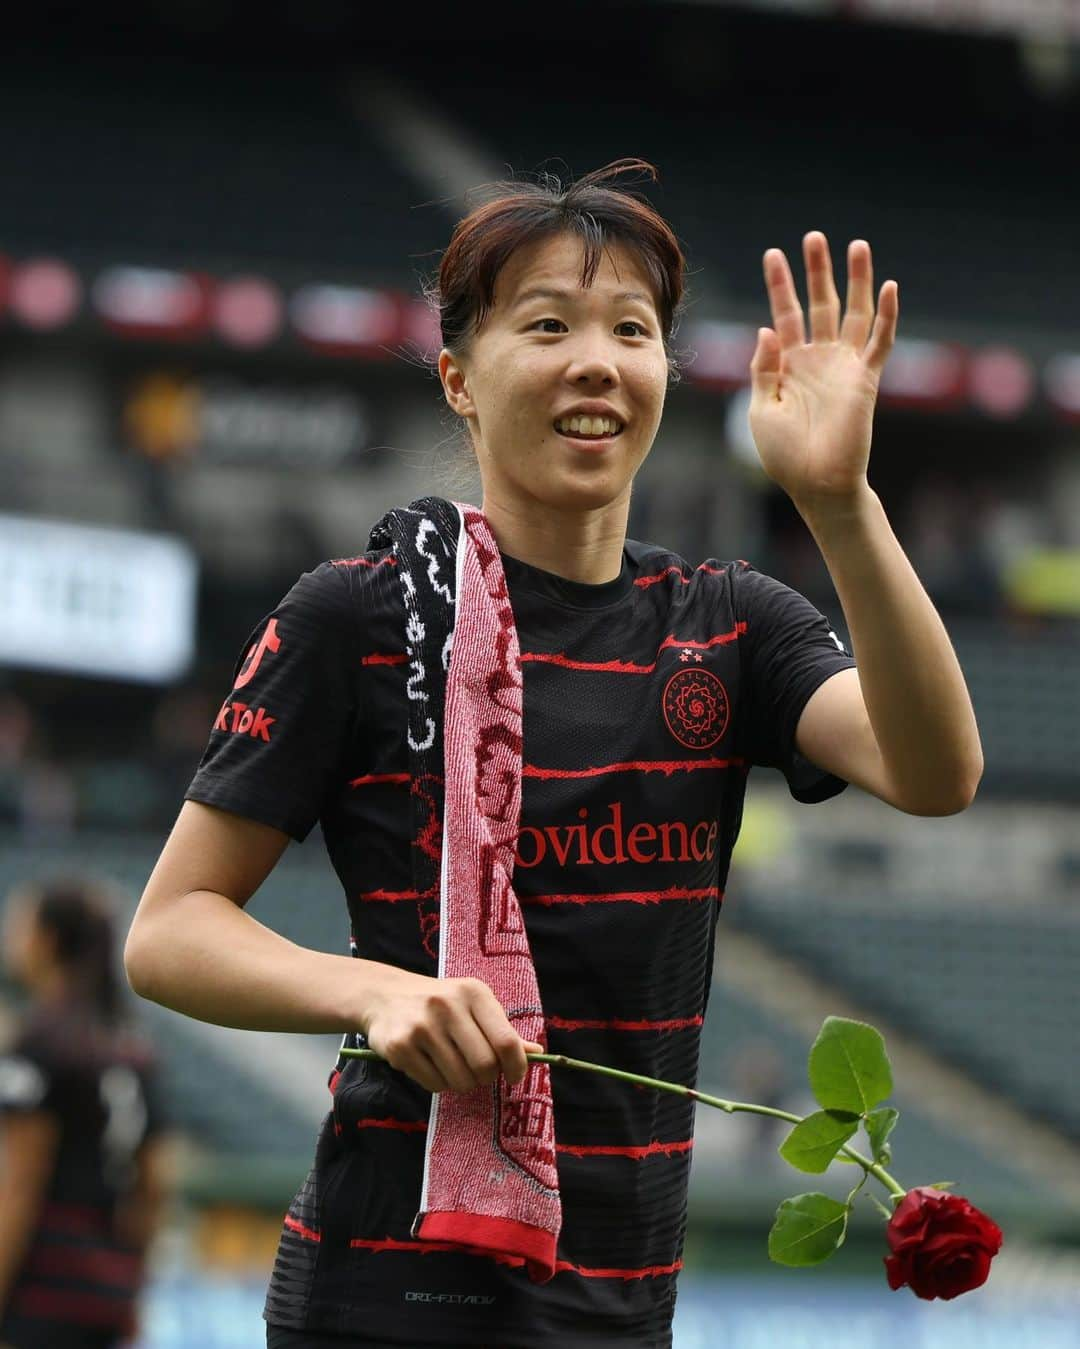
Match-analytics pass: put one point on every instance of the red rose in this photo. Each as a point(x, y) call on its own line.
point(941, 1244)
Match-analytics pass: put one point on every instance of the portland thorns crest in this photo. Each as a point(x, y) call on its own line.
point(696, 708)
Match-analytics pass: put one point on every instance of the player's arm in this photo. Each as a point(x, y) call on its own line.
point(28, 1144)
point(902, 726)
point(192, 947)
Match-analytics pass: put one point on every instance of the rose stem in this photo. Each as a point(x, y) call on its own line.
point(730, 1107)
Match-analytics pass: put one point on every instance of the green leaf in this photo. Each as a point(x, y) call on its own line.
point(814, 1142)
point(807, 1230)
point(879, 1125)
point(849, 1069)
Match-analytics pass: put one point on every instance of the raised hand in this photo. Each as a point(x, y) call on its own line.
point(812, 401)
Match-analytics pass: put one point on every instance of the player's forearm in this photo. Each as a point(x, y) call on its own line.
point(205, 956)
point(915, 693)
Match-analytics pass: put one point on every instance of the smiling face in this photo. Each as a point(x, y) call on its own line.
point(549, 348)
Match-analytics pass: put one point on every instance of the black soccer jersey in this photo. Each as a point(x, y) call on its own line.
point(647, 700)
point(100, 1088)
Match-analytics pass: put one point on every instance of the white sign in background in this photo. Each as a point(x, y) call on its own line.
point(107, 602)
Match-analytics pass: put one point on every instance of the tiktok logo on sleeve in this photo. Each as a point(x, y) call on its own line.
point(244, 720)
point(269, 641)
point(239, 718)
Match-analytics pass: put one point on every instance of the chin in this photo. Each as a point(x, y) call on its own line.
point(581, 494)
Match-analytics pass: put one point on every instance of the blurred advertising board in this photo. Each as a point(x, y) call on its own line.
point(218, 418)
point(112, 603)
point(1030, 18)
point(1052, 19)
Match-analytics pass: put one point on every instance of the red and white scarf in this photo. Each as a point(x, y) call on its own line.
point(490, 1180)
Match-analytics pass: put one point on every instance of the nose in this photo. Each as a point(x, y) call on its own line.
point(592, 363)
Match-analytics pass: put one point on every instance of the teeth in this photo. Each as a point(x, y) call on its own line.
point(589, 426)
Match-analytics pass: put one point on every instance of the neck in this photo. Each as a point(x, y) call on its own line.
point(584, 546)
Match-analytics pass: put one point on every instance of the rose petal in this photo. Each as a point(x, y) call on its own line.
point(965, 1274)
point(900, 1239)
point(896, 1271)
point(943, 1245)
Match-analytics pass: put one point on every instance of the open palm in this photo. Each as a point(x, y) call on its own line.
point(812, 402)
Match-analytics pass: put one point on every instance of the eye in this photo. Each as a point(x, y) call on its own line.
point(536, 323)
point(642, 331)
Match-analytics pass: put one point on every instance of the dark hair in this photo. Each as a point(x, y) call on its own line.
point(521, 212)
point(78, 918)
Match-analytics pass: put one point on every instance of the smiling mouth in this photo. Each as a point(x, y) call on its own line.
point(589, 431)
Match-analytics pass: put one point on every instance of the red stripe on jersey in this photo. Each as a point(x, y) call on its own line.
point(670, 642)
point(645, 1272)
point(637, 1153)
point(626, 896)
point(405, 1126)
point(309, 1234)
point(388, 561)
point(720, 639)
point(60, 1304)
point(665, 766)
point(616, 1023)
point(78, 1218)
point(608, 666)
point(646, 581)
point(384, 658)
point(86, 1262)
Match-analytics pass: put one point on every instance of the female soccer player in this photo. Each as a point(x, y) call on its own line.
point(81, 1154)
point(650, 687)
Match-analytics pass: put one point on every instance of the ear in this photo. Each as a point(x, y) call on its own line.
point(455, 385)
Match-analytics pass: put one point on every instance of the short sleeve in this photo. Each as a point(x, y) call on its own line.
point(789, 649)
point(281, 736)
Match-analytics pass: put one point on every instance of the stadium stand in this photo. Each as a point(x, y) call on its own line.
point(1023, 686)
point(947, 977)
point(735, 180)
point(255, 170)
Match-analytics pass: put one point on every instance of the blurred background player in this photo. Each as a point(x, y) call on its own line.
point(81, 1148)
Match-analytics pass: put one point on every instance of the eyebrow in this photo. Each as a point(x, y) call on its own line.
point(554, 293)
